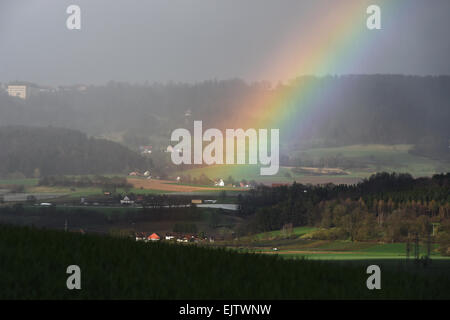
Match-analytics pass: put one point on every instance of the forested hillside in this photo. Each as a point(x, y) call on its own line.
point(34, 152)
point(389, 207)
point(342, 110)
point(117, 268)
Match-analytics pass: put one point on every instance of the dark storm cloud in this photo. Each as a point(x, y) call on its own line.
point(194, 40)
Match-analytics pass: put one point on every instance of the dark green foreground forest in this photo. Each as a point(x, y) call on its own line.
point(33, 265)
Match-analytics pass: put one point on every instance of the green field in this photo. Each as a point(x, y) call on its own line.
point(336, 250)
point(31, 187)
point(33, 265)
point(238, 172)
point(24, 182)
point(376, 158)
point(298, 244)
point(386, 158)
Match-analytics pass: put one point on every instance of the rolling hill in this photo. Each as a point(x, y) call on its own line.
point(37, 151)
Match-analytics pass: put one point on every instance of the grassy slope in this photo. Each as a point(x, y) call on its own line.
point(33, 265)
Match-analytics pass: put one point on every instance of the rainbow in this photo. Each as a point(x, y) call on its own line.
point(338, 40)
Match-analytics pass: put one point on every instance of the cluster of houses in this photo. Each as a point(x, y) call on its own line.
point(173, 237)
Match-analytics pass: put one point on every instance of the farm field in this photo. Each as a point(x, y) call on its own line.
point(379, 158)
point(116, 268)
point(251, 172)
point(173, 186)
point(338, 250)
point(31, 187)
point(376, 158)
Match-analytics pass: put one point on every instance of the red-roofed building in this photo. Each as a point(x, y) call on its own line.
point(154, 237)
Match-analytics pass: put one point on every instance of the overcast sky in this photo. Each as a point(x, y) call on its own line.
point(196, 40)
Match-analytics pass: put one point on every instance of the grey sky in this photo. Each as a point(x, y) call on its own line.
point(195, 40)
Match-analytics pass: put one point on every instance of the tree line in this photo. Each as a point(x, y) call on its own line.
point(389, 207)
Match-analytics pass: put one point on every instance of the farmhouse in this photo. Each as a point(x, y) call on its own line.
point(169, 236)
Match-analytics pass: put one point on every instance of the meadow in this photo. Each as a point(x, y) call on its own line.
point(387, 158)
point(33, 266)
point(372, 157)
point(30, 186)
point(342, 250)
point(140, 187)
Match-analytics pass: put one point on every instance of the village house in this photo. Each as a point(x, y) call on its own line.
point(154, 237)
point(169, 149)
point(183, 239)
point(145, 149)
point(140, 237)
point(219, 183)
point(126, 200)
point(169, 236)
